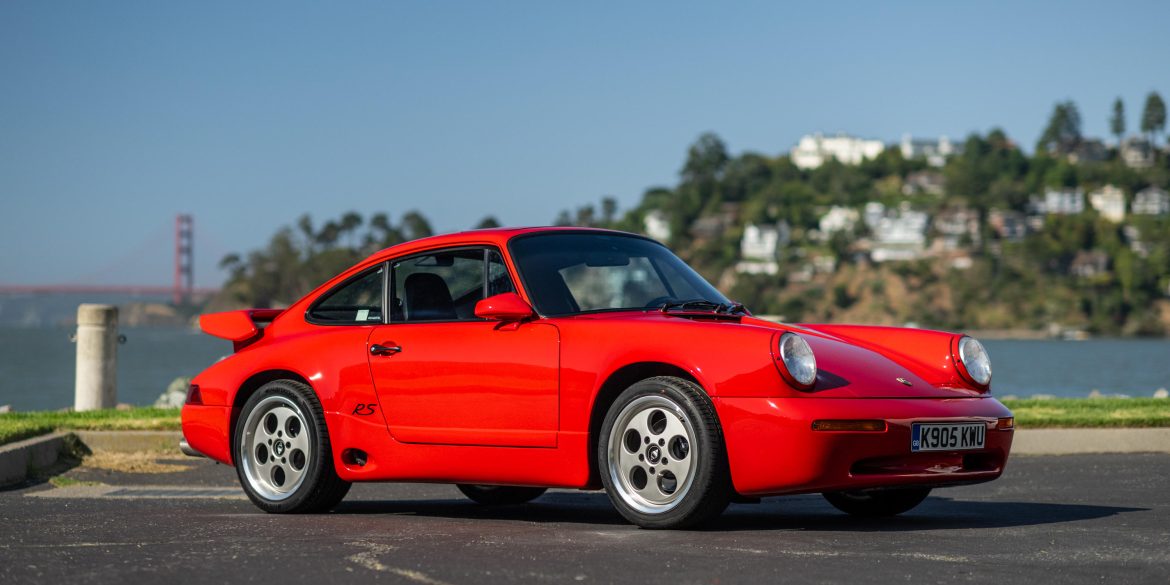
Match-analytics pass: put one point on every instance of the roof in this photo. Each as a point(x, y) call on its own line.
point(494, 236)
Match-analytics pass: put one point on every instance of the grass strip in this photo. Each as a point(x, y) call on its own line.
point(15, 426)
point(1029, 413)
point(1090, 413)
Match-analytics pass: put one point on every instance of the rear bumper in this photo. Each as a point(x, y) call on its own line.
point(205, 431)
point(773, 450)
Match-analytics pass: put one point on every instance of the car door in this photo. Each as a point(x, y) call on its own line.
point(444, 376)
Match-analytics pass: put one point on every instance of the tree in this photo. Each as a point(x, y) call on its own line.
point(415, 226)
point(329, 233)
point(233, 264)
point(585, 215)
point(1117, 121)
point(305, 224)
point(609, 207)
point(488, 223)
point(1063, 131)
point(705, 159)
point(350, 222)
point(382, 232)
point(563, 218)
point(1153, 116)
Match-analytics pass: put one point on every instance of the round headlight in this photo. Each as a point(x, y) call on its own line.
point(798, 359)
point(975, 360)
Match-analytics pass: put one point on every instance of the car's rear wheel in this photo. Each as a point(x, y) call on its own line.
point(879, 502)
point(282, 451)
point(500, 495)
point(662, 457)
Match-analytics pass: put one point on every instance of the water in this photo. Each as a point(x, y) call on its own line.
point(1134, 367)
point(37, 365)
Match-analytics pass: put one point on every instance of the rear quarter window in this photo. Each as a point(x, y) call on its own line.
point(356, 302)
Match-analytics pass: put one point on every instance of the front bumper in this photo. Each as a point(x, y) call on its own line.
point(773, 450)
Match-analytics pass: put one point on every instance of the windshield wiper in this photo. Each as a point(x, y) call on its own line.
point(704, 304)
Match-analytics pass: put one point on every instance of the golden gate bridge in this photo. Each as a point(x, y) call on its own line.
point(181, 290)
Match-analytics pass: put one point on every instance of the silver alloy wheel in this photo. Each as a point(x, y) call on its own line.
point(652, 458)
point(275, 449)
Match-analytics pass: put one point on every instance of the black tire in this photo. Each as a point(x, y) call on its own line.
point(318, 488)
point(705, 490)
point(500, 495)
point(877, 503)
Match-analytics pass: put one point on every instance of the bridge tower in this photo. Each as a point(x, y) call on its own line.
point(184, 257)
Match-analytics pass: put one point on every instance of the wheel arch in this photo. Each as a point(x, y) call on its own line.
point(607, 393)
point(250, 387)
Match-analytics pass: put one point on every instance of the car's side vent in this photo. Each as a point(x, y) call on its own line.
point(354, 457)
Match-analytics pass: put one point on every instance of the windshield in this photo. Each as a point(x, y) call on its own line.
point(568, 273)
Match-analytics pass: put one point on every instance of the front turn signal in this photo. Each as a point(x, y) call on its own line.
point(1005, 424)
point(869, 426)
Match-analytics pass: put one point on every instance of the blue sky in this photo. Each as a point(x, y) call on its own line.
point(114, 116)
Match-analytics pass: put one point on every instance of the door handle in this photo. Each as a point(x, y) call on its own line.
point(385, 349)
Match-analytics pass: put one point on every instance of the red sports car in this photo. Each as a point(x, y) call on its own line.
point(509, 361)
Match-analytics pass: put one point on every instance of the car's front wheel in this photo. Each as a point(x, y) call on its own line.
point(661, 455)
point(282, 451)
point(879, 502)
point(500, 495)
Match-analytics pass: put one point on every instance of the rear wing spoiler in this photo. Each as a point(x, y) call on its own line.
point(239, 327)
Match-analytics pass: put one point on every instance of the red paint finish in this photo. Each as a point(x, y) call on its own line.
point(469, 383)
point(236, 326)
point(504, 307)
point(514, 399)
point(773, 450)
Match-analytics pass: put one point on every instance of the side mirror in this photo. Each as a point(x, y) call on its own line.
point(504, 307)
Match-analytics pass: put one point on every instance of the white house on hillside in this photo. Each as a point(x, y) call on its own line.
point(1008, 225)
point(1109, 201)
point(1151, 201)
point(814, 150)
point(657, 225)
point(1061, 202)
point(759, 245)
point(838, 219)
point(898, 234)
point(929, 182)
point(956, 225)
point(1137, 152)
point(934, 151)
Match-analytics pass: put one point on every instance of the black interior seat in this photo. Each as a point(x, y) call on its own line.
point(428, 298)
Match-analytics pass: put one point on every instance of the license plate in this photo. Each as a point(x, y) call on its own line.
point(947, 437)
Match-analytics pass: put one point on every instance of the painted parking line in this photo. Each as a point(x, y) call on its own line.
point(144, 492)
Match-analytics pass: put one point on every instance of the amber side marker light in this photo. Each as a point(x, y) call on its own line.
point(849, 425)
point(1005, 424)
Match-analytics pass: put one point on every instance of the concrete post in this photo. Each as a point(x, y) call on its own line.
point(97, 357)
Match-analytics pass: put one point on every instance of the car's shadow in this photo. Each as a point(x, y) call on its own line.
point(808, 512)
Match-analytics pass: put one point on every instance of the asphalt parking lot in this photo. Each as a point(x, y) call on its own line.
point(1066, 519)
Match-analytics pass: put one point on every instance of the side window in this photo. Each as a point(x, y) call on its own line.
point(498, 280)
point(443, 286)
point(357, 302)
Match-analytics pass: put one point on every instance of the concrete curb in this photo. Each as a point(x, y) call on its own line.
point(1081, 441)
point(18, 459)
point(21, 459)
point(130, 441)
